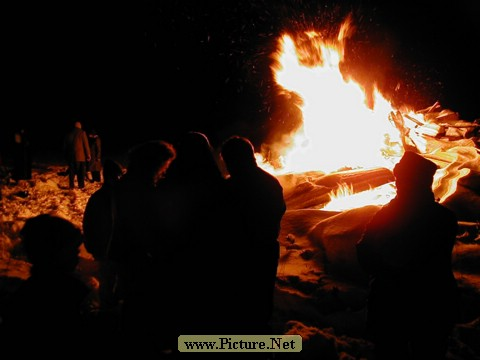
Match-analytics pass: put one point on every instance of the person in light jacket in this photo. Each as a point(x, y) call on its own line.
point(77, 152)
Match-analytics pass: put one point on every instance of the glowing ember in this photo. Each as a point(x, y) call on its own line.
point(343, 129)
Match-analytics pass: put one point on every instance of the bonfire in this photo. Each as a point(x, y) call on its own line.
point(336, 170)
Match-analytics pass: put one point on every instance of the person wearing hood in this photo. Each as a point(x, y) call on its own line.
point(407, 251)
point(257, 204)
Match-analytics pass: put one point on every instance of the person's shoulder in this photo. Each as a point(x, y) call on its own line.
point(270, 177)
point(382, 212)
point(264, 173)
point(446, 212)
point(101, 194)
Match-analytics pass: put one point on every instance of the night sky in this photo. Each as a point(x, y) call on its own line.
point(154, 69)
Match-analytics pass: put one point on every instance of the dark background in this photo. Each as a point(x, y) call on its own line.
point(154, 69)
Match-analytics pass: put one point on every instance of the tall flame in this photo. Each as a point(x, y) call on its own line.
point(339, 129)
point(342, 127)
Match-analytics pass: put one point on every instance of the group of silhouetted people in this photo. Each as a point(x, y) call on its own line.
point(183, 249)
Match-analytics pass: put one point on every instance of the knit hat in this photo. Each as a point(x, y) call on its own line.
point(414, 165)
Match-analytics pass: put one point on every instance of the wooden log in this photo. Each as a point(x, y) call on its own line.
point(469, 223)
point(447, 115)
point(416, 121)
point(463, 125)
point(360, 180)
point(436, 106)
point(314, 192)
point(399, 122)
point(430, 129)
point(441, 158)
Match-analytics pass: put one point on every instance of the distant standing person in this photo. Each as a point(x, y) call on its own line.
point(22, 166)
point(407, 251)
point(95, 164)
point(4, 175)
point(77, 153)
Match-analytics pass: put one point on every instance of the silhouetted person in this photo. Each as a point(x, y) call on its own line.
point(77, 152)
point(45, 314)
point(98, 219)
point(22, 152)
point(4, 175)
point(407, 250)
point(95, 163)
point(198, 227)
point(139, 248)
point(258, 206)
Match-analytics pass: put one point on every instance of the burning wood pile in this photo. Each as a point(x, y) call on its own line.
point(435, 123)
point(342, 155)
point(441, 123)
point(435, 133)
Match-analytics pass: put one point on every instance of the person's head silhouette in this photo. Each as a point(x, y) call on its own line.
point(112, 171)
point(195, 159)
point(51, 243)
point(414, 173)
point(148, 161)
point(238, 154)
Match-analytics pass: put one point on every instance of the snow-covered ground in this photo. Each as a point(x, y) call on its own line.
point(321, 290)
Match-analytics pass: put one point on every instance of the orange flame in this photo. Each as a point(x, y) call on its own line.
point(340, 130)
